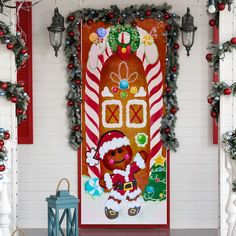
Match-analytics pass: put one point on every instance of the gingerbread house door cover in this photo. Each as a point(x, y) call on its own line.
point(123, 165)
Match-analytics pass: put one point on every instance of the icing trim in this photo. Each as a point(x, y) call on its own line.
point(108, 181)
point(139, 161)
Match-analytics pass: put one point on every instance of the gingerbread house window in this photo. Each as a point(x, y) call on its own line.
point(112, 114)
point(136, 113)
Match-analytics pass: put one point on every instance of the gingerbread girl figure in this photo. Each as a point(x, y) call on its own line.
point(116, 154)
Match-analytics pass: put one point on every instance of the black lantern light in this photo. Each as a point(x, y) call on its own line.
point(188, 31)
point(56, 31)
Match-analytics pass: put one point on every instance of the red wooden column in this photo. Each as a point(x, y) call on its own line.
point(215, 79)
point(25, 129)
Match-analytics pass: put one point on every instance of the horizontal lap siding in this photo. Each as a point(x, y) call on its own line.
point(194, 175)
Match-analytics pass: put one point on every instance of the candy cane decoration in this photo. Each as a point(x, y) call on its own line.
point(98, 55)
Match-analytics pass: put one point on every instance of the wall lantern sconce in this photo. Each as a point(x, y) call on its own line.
point(56, 31)
point(2, 4)
point(188, 31)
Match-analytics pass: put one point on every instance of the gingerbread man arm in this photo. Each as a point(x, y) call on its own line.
point(107, 182)
point(139, 161)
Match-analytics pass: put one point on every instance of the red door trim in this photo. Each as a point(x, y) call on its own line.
point(25, 129)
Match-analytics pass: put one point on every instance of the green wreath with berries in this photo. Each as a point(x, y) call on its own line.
point(16, 94)
point(14, 43)
point(115, 31)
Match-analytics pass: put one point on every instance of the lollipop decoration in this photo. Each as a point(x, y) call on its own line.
point(93, 188)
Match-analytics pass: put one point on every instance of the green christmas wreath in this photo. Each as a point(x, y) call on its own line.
point(115, 31)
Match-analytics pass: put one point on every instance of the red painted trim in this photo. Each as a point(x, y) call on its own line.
point(143, 226)
point(215, 79)
point(25, 129)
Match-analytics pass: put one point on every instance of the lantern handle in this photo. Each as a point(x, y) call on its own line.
point(63, 179)
point(19, 230)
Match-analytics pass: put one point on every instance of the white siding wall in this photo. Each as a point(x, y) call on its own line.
point(194, 169)
point(8, 118)
point(227, 123)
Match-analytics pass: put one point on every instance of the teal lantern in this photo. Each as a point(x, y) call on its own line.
point(62, 206)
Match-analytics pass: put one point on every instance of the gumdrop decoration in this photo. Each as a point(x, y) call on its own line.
point(141, 139)
point(93, 37)
point(124, 85)
point(115, 89)
point(133, 90)
point(123, 94)
point(93, 188)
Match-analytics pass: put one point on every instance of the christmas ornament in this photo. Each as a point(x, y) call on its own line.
point(71, 33)
point(70, 66)
point(70, 103)
point(176, 46)
point(4, 85)
point(14, 99)
point(168, 27)
point(167, 130)
point(212, 22)
point(148, 12)
point(213, 114)
point(90, 22)
point(133, 90)
point(6, 135)
point(1, 142)
point(93, 188)
point(227, 91)
point(209, 57)
point(93, 37)
point(76, 128)
point(134, 24)
point(71, 18)
point(150, 189)
point(111, 15)
point(101, 32)
point(166, 16)
point(1, 33)
point(2, 168)
point(141, 139)
point(174, 110)
point(233, 40)
point(10, 46)
point(221, 6)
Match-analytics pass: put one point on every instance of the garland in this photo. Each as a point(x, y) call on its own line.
point(229, 139)
point(16, 94)
point(127, 16)
point(214, 7)
point(218, 52)
point(4, 135)
point(14, 43)
point(219, 89)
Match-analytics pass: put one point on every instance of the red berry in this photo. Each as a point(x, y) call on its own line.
point(227, 91)
point(210, 100)
point(10, 46)
point(19, 111)
point(111, 15)
point(167, 130)
point(2, 168)
point(14, 99)
point(148, 12)
point(173, 110)
point(134, 23)
point(70, 66)
point(90, 22)
point(6, 135)
point(168, 89)
point(213, 114)
point(174, 69)
point(76, 128)
point(71, 33)
point(71, 18)
point(78, 48)
point(168, 27)
point(233, 40)
point(166, 16)
point(176, 46)
point(4, 86)
point(212, 22)
point(1, 33)
point(23, 51)
point(70, 103)
point(209, 57)
point(1, 143)
point(221, 6)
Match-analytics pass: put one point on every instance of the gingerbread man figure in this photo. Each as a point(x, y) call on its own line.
point(115, 152)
